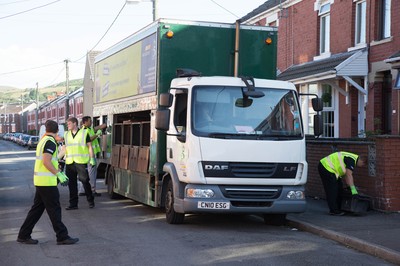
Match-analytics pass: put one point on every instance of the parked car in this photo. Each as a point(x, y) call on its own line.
point(24, 140)
point(32, 142)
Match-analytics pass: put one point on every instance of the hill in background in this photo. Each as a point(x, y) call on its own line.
point(15, 95)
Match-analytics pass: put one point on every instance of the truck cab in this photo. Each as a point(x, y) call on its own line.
point(233, 145)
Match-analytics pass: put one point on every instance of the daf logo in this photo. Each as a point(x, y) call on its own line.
point(289, 169)
point(216, 167)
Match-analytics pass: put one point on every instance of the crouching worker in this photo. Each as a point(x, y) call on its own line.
point(332, 169)
point(47, 197)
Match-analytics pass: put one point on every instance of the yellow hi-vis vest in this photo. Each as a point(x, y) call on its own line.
point(334, 163)
point(42, 177)
point(95, 142)
point(76, 149)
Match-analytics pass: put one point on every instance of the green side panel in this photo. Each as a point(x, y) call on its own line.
point(208, 50)
point(257, 59)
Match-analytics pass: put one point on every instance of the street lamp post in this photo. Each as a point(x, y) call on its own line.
point(154, 2)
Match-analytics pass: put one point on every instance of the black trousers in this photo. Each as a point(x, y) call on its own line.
point(46, 198)
point(333, 188)
point(73, 171)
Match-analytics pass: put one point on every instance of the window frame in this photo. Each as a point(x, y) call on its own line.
point(384, 19)
point(360, 23)
point(324, 28)
point(397, 82)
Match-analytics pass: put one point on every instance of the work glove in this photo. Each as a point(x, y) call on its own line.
point(92, 161)
point(99, 132)
point(62, 178)
point(353, 190)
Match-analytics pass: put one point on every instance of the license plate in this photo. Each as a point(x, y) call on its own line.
point(213, 205)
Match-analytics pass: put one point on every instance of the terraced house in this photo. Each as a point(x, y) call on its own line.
point(347, 52)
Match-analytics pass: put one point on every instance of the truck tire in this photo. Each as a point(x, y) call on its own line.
point(170, 214)
point(275, 218)
point(110, 184)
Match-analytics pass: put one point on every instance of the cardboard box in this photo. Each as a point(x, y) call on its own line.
point(124, 158)
point(115, 156)
point(133, 158)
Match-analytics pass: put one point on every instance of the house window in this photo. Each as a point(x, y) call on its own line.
point(360, 22)
point(306, 107)
point(324, 31)
point(328, 113)
point(397, 83)
point(384, 19)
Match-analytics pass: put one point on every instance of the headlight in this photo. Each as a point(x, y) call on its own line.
point(295, 194)
point(199, 193)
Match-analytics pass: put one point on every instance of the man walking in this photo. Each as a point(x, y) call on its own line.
point(47, 197)
point(92, 169)
point(78, 153)
point(332, 169)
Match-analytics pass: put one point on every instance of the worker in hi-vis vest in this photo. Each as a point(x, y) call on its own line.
point(94, 134)
point(47, 197)
point(78, 153)
point(332, 169)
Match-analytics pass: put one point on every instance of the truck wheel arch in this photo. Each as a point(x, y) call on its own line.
point(170, 173)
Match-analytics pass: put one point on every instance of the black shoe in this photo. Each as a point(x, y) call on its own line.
point(91, 204)
point(28, 241)
point(82, 194)
point(71, 208)
point(68, 241)
point(337, 213)
point(95, 194)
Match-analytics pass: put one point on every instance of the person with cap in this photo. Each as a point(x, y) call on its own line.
point(94, 134)
point(78, 153)
point(332, 169)
point(47, 197)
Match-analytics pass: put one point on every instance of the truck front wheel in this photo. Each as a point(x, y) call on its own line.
point(172, 216)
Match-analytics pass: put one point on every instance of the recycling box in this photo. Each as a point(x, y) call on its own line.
point(356, 205)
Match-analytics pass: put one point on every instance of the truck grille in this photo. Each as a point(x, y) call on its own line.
point(249, 170)
point(251, 192)
point(253, 170)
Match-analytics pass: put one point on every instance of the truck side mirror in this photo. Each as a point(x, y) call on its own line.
point(162, 119)
point(165, 99)
point(317, 104)
point(318, 127)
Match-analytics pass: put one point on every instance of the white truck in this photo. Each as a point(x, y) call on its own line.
point(193, 143)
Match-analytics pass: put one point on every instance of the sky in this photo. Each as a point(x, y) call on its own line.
point(37, 36)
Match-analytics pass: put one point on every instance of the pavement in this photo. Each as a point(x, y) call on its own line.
point(372, 232)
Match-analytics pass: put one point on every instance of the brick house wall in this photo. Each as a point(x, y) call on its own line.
point(380, 180)
point(298, 42)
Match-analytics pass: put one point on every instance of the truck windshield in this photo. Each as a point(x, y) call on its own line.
point(224, 112)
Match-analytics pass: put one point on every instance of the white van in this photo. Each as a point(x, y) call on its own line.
point(43, 130)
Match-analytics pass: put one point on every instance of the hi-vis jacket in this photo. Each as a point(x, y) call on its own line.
point(42, 177)
point(334, 163)
point(76, 149)
point(95, 142)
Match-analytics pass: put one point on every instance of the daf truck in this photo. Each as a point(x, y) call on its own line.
point(197, 122)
